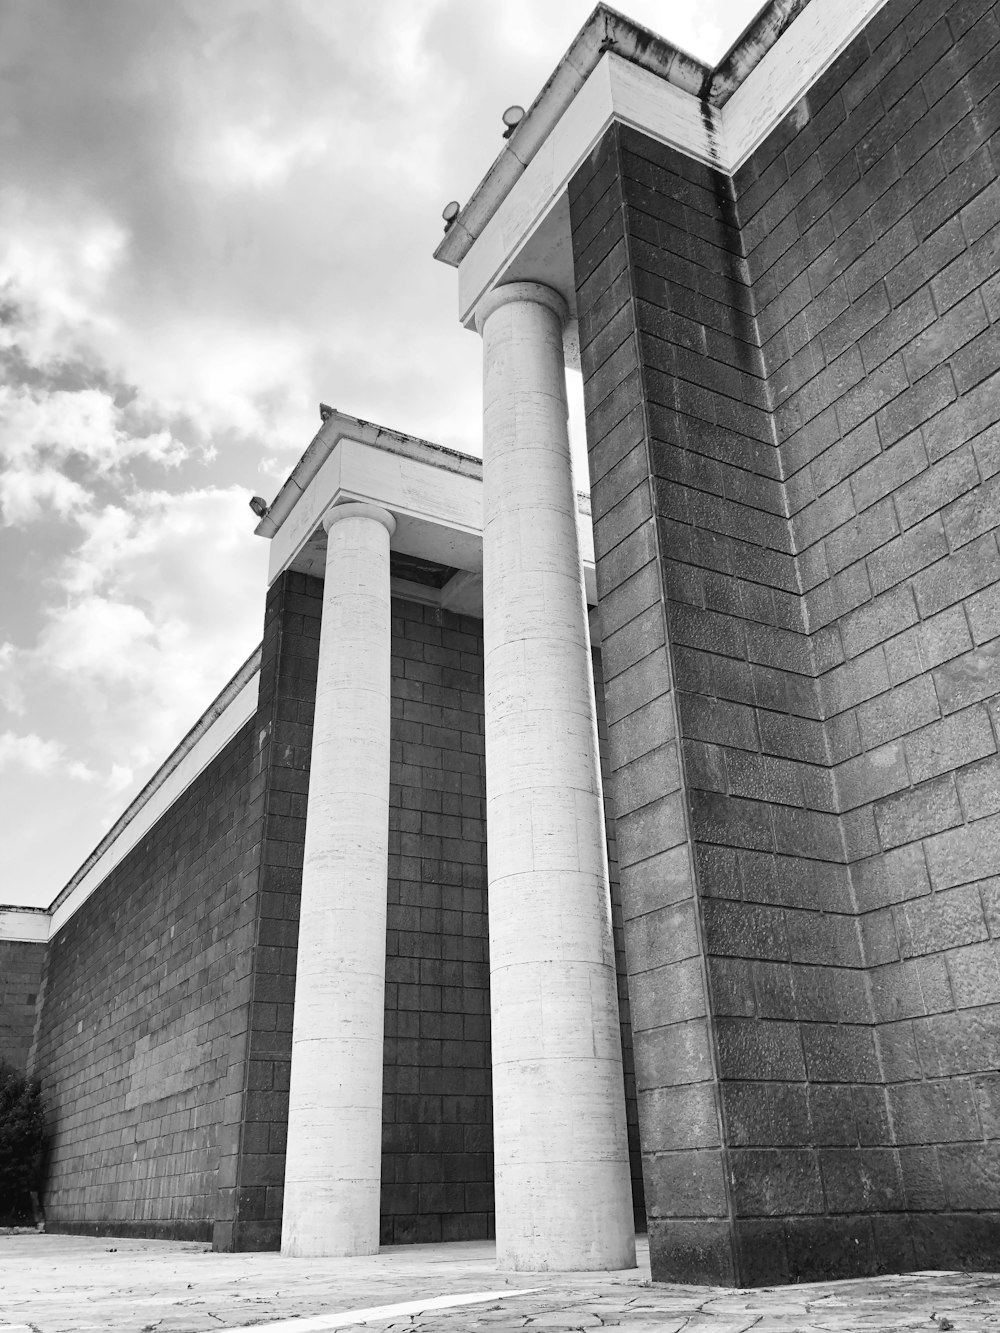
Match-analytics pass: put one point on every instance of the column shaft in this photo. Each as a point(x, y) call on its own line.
point(563, 1194)
point(333, 1161)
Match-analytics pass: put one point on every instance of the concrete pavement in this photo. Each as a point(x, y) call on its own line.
point(73, 1284)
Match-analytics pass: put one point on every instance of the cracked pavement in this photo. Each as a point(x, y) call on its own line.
point(77, 1284)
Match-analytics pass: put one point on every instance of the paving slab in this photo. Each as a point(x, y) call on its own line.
point(77, 1284)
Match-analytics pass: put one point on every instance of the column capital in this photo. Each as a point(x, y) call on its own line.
point(357, 509)
point(533, 292)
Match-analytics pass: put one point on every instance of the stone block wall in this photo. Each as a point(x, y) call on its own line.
point(437, 1135)
point(735, 405)
point(21, 963)
point(142, 1030)
point(165, 1038)
point(714, 719)
point(871, 226)
point(252, 1178)
point(621, 968)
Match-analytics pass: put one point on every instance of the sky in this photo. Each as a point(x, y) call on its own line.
point(215, 214)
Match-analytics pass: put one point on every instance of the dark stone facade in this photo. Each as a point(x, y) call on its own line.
point(166, 1023)
point(21, 963)
point(792, 406)
point(142, 1032)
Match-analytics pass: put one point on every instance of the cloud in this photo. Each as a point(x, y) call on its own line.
point(160, 603)
point(56, 267)
point(42, 431)
point(33, 755)
point(11, 691)
point(86, 423)
point(26, 493)
point(213, 217)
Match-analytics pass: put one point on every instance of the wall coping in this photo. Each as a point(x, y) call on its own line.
point(228, 711)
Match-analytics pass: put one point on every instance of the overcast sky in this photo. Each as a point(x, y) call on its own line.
point(214, 215)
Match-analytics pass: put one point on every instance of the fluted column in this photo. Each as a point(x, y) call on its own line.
point(333, 1161)
point(563, 1193)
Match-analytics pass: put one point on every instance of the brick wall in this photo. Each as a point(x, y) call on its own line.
point(437, 1172)
point(165, 1042)
point(618, 928)
point(871, 224)
point(141, 1034)
point(252, 1179)
point(437, 1137)
point(730, 388)
point(21, 964)
point(716, 739)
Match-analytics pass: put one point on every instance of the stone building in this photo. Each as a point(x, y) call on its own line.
point(273, 1002)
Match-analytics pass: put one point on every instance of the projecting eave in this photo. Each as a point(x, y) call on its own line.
point(605, 30)
point(516, 227)
point(339, 426)
point(433, 493)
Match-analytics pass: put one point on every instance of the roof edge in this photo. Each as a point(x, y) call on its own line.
point(211, 714)
point(338, 426)
point(608, 30)
point(605, 30)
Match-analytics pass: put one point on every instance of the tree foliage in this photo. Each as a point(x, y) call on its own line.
point(22, 1143)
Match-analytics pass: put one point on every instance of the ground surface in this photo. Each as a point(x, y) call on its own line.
point(64, 1284)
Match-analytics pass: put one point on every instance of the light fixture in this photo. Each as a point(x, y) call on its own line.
point(325, 411)
point(512, 117)
point(259, 505)
point(450, 212)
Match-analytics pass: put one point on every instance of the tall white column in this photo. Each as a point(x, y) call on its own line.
point(563, 1193)
point(333, 1161)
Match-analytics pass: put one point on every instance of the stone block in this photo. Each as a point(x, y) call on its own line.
point(676, 1118)
point(971, 1175)
point(759, 1049)
point(957, 1043)
point(685, 1183)
point(821, 1249)
point(768, 1115)
point(942, 920)
point(697, 1250)
point(964, 854)
point(840, 1053)
point(865, 1180)
point(933, 1112)
point(766, 1182)
point(919, 812)
point(677, 1054)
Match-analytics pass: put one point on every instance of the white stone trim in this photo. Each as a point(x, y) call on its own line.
point(435, 495)
point(27, 924)
point(803, 53)
point(537, 190)
point(618, 89)
point(441, 510)
point(236, 705)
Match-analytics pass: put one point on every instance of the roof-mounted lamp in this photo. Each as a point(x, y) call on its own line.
point(512, 117)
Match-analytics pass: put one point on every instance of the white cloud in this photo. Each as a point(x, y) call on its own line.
point(83, 423)
point(11, 689)
point(56, 264)
point(34, 755)
point(120, 778)
point(161, 603)
point(42, 431)
point(212, 217)
point(26, 493)
point(259, 154)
